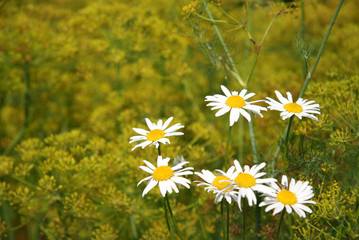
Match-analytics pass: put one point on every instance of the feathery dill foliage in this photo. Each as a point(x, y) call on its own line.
point(75, 77)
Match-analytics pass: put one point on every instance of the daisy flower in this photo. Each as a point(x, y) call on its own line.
point(292, 197)
point(234, 103)
point(220, 185)
point(157, 133)
point(301, 108)
point(165, 176)
point(248, 181)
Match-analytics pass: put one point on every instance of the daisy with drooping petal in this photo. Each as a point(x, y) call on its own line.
point(165, 176)
point(248, 181)
point(291, 196)
point(301, 108)
point(235, 103)
point(218, 184)
point(157, 134)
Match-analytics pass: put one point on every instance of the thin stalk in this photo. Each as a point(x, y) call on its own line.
point(321, 49)
point(244, 220)
point(5, 209)
point(240, 141)
point(253, 141)
point(159, 149)
point(25, 124)
point(283, 140)
point(195, 204)
point(259, 47)
point(166, 217)
point(227, 219)
point(309, 75)
point(286, 145)
point(223, 222)
point(257, 220)
point(173, 219)
point(235, 72)
point(227, 147)
point(280, 223)
point(290, 226)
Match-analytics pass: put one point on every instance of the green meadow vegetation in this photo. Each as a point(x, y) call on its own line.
point(77, 76)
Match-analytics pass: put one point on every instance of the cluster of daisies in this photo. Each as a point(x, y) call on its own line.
point(237, 182)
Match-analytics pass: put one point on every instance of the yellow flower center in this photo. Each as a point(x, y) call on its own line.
point(245, 180)
point(155, 135)
point(293, 108)
point(162, 173)
point(286, 197)
point(235, 102)
point(221, 185)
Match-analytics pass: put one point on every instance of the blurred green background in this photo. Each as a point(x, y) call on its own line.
point(77, 76)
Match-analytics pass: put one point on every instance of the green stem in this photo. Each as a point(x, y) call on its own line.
point(159, 149)
point(280, 223)
point(253, 140)
point(244, 220)
point(286, 144)
point(257, 220)
point(227, 204)
point(173, 219)
point(259, 47)
point(310, 74)
point(227, 147)
point(195, 203)
point(21, 133)
point(321, 49)
point(223, 222)
point(166, 217)
point(233, 70)
point(5, 209)
point(290, 226)
point(240, 141)
point(282, 141)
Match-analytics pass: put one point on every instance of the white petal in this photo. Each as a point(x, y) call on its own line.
point(245, 114)
point(150, 125)
point(222, 111)
point(163, 187)
point(146, 169)
point(281, 98)
point(288, 208)
point(140, 131)
point(146, 178)
point(226, 91)
point(235, 114)
point(150, 184)
point(278, 209)
point(165, 125)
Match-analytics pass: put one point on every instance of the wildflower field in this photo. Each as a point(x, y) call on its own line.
point(189, 119)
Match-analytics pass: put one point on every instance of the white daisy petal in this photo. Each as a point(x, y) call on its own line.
point(165, 125)
point(163, 187)
point(292, 197)
point(145, 179)
point(150, 125)
point(157, 133)
point(151, 184)
point(301, 108)
point(146, 169)
point(226, 91)
point(234, 103)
